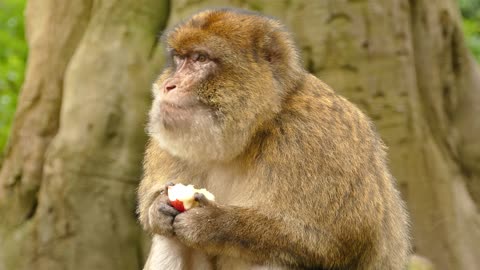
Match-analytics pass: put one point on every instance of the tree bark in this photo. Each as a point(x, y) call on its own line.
point(69, 176)
point(445, 193)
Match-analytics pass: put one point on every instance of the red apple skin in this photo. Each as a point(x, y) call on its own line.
point(178, 205)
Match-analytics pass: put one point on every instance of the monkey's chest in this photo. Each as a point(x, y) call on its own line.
point(228, 185)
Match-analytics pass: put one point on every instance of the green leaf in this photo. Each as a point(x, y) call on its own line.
point(13, 56)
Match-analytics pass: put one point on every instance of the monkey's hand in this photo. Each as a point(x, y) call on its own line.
point(196, 227)
point(248, 233)
point(160, 214)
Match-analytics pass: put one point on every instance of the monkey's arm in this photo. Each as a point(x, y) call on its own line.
point(152, 196)
point(257, 237)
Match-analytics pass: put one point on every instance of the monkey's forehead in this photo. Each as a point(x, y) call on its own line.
point(209, 28)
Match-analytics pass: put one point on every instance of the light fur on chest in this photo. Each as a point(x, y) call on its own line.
point(230, 185)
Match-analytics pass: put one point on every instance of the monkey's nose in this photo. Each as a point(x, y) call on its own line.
point(170, 87)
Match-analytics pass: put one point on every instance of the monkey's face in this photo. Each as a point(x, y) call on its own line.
point(177, 105)
point(218, 90)
point(182, 120)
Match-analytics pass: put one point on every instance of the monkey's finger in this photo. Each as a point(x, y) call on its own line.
point(168, 209)
point(202, 199)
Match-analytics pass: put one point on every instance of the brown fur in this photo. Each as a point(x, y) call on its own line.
point(305, 186)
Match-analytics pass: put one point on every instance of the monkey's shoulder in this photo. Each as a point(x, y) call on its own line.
point(315, 108)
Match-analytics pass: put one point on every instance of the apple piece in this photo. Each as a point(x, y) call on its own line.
point(182, 197)
point(178, 205)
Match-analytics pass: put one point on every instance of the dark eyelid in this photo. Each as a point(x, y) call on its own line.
point(174, 53)
point(204, 52)
point(197, 56)
point(194, 53)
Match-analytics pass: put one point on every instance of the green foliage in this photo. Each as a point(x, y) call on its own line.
point(471, 24)
point(13, 54)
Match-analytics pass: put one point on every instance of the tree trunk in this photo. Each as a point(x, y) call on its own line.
point(70, 173)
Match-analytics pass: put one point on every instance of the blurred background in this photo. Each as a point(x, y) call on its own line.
point(74, 93)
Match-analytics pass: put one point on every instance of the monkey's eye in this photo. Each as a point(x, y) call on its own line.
point(201, 58)
point(198, 57)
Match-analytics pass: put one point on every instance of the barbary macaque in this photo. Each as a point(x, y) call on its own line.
point(298, 172)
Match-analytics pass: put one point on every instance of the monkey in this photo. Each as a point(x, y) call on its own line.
point(299, 172)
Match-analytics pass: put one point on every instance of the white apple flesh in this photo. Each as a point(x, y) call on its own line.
point(182, 197)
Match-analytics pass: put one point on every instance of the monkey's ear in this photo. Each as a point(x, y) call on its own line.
point(272, 49)
point(277, 48)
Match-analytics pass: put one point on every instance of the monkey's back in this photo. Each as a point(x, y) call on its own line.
point(345, 187)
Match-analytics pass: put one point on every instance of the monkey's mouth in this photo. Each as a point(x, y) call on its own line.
point(174, 116)
point(168, 107)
